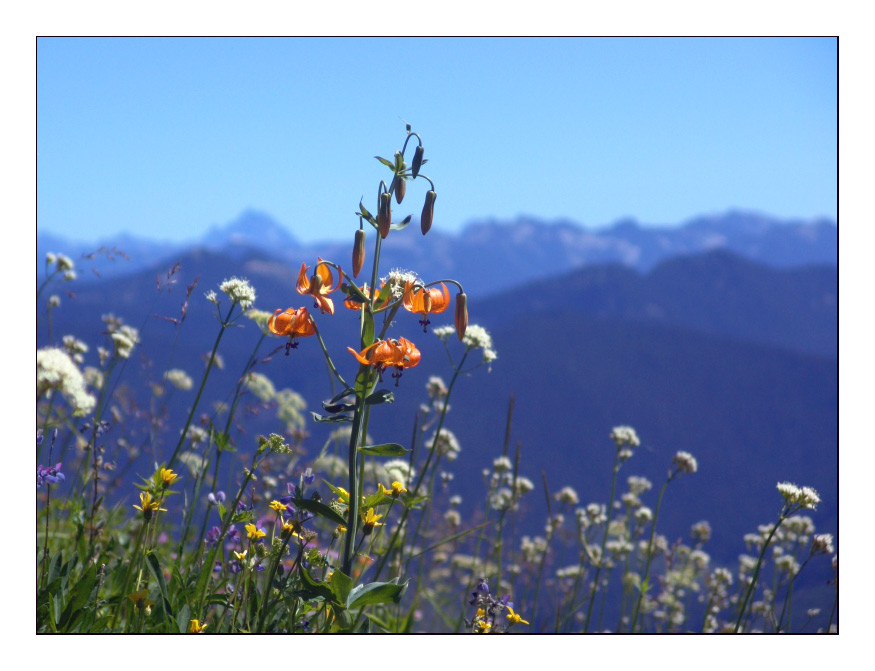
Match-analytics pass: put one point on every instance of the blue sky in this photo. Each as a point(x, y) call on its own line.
point(163, 137)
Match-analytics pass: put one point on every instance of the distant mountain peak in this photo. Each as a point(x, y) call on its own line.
point(252, 228)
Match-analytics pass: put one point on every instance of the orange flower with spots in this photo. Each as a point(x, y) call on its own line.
point(400, 353)
point(293, 322)
point(319, 284)
point(426, 301)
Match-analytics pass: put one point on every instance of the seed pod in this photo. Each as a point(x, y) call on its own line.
point(384, 215)
point(400, 188)
point(461, 314)
point(358, 252)
point(417, 160)
point(427, 212)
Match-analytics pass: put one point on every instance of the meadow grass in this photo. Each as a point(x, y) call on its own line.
point(358, 536)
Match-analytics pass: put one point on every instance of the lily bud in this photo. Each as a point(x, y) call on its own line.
point(417, 160)
point(384, 215)
point(400, 188)
point(427, 212)
point(461, 314)
point(358, 252)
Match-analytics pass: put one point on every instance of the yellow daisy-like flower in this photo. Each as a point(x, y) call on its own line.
point(240, 555)
point(398, 488)
point(481, 624)
point(196, 627)
point(140, 600)
point(148, 505)
point(292, 528)
point(514, 618)
point(254, 533)
point(370, 521)
point(279, 506)
point(167, 476)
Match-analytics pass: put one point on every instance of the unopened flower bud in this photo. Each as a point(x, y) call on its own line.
point(358, 252)
point(417, 160)
point(400, 188)
point(461, 314)
point(384, 215)
point(427, 212)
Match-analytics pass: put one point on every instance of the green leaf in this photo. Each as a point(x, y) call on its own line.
point(376, 592)
point(318, 587)
point(398, 225)
point(155, 568)
point(320, 509)
point(367, 215)
point(380, 396)
point(367, 328)
point(385, 450)
point(341, 584)
point(330, 418)
point(382, 160)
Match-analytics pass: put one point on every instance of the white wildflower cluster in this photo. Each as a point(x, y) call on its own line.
point(453, 518)
point(638, 484)
point(798, 497)
point(619, 546)
point(260, 385)
point(630, 500)
point(179, 379)
point(533, 548)
point(822, 544)
point(568, 571)
point(446, 444)
point(55, 370)
point(260, 317)
point(290, 409)
point(523, 485)
point(54, 301)
point(400, 470)
point(397, 280)
point(436, 388)
point(443, 332)
point(567, 495)
point(197, 435)
point(239, 291)
point(593, 514)
point(332, 465)
point(685, 462)
point(502, 464)
point(212, 297)
point(644, 514)
point(478, 337)
point(701, 531)
point(75, 348)
point(62, 263)
point(124, 340)
point(700, 559)
point(501, 498)
point(787, 564)
point(625, 436)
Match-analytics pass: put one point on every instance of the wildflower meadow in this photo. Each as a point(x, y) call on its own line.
point(147, 525)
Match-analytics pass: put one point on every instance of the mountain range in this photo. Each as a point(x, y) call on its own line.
point(488, 256)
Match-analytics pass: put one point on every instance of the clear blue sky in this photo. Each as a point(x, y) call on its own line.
point(164, 137)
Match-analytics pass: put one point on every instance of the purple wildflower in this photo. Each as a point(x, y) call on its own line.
point(50, 475)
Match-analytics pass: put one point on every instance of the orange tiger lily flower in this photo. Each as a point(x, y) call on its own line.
point(426, 300)
point(292, 322)
point(400, 353)
point(319, 284)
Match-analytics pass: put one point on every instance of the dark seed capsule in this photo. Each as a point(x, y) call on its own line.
point(461, 314)
point(384, 217)
point(427, 212)
point(358, 253)
point(400, 189)
point(417, 160)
